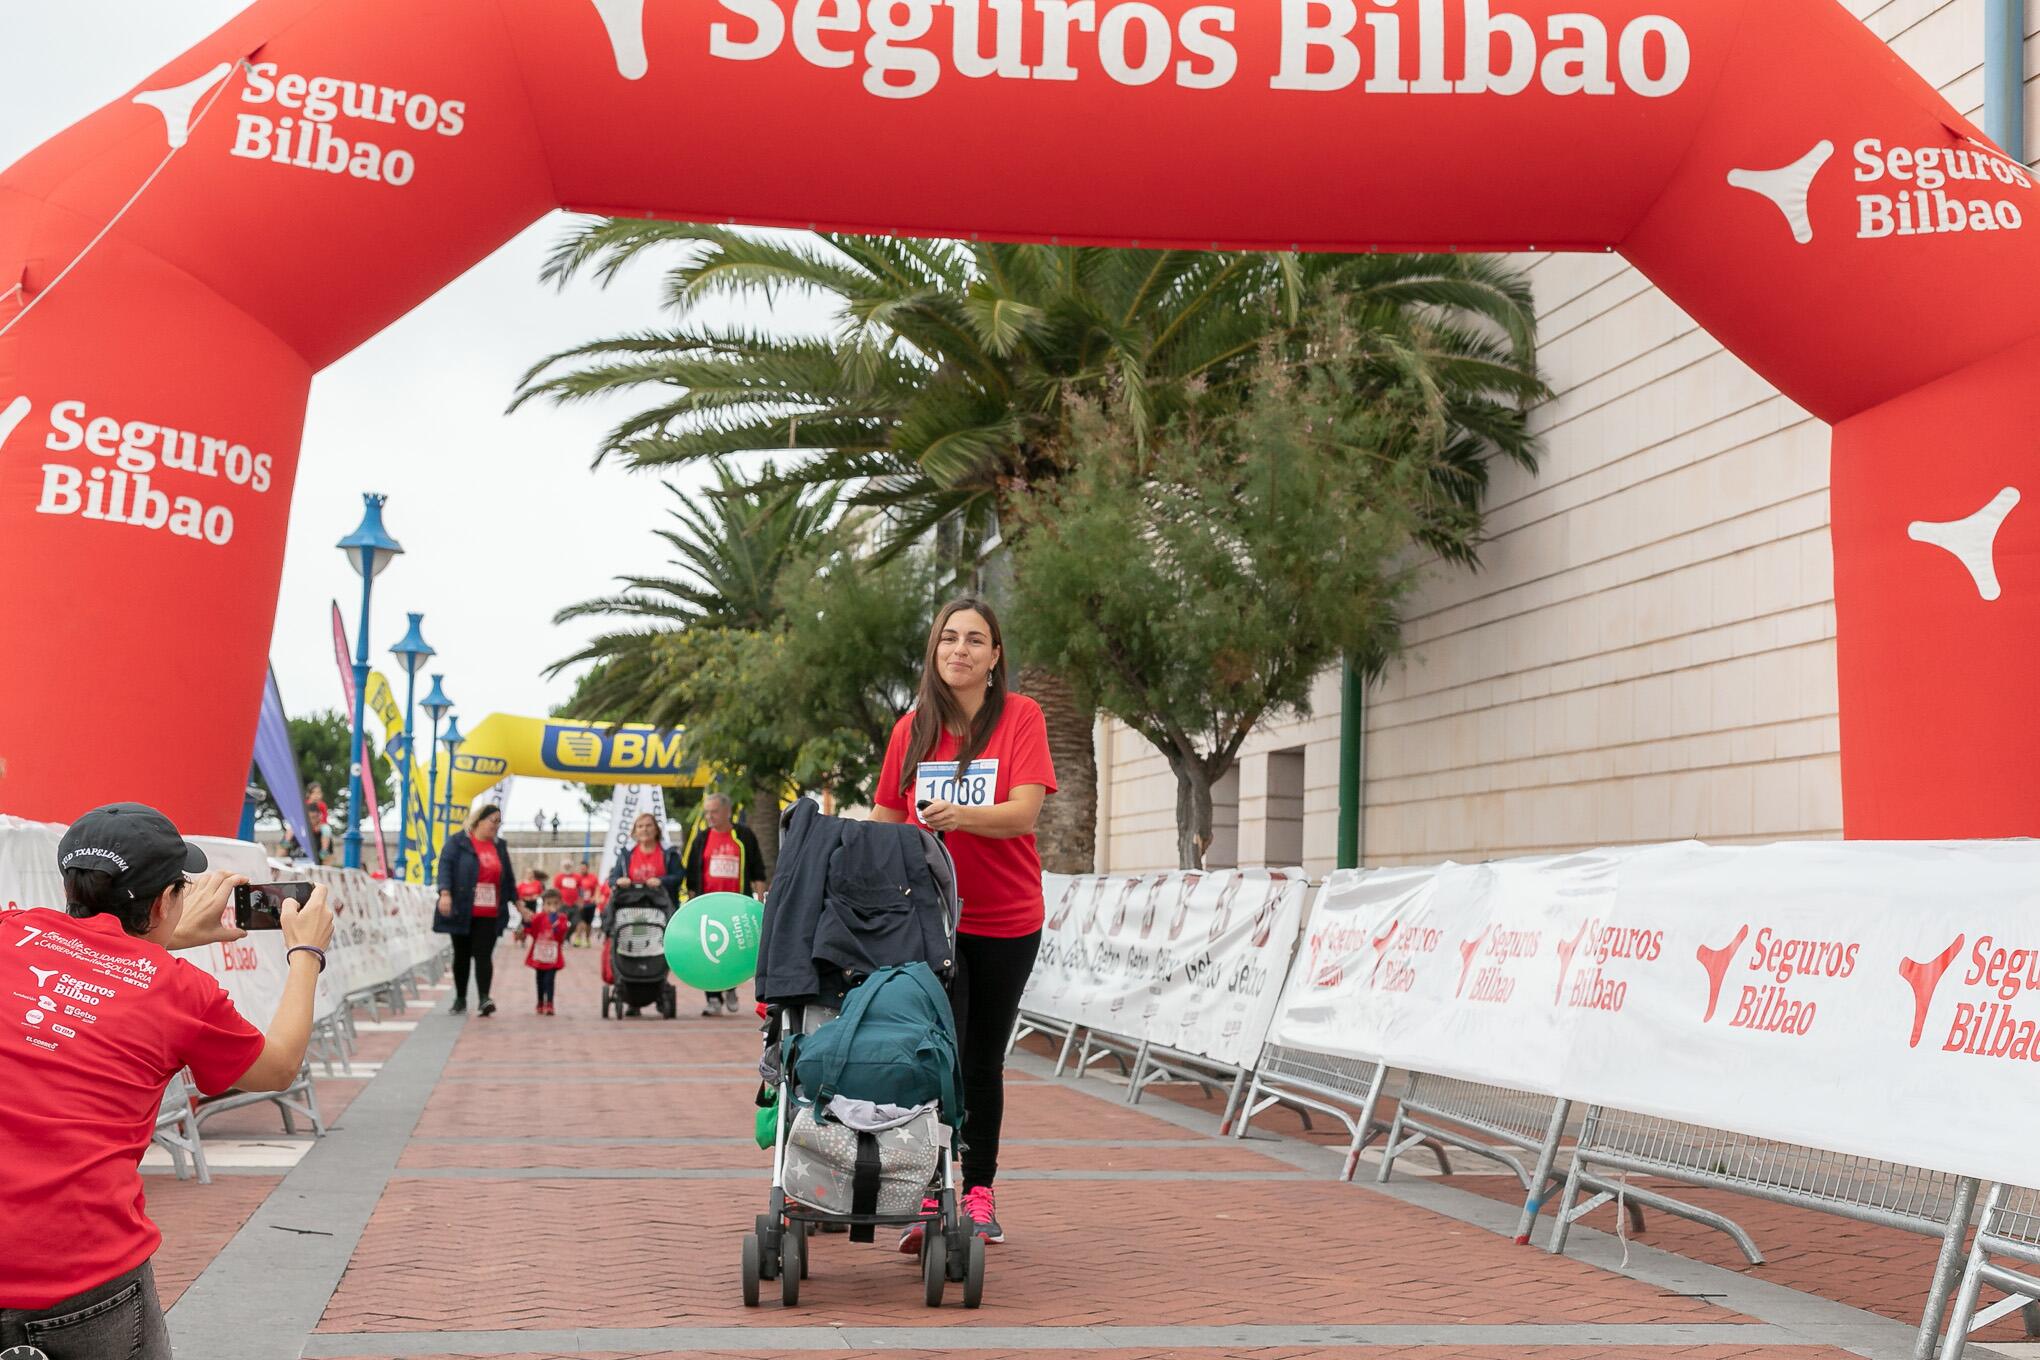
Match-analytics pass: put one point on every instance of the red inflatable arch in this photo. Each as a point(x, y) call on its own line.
point(189, 257)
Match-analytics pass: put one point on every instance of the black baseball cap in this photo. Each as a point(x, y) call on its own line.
point(138, 845)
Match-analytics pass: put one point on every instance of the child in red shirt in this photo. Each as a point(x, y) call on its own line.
point(546, 932)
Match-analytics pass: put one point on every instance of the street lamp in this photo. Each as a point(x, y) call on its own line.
point(369, 549)
point(412, 654)
point(437, 706)
point(452, 741)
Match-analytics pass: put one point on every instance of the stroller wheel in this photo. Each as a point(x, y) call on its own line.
point(974, 1275)
point(605, 1003)
point(792, 1266)
point(752, 1259)
point(934, 1267)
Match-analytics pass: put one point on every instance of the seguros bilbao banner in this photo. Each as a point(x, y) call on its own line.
point(1876, 999)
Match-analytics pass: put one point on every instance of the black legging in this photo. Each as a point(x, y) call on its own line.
point(478, 946)
point(985, 993)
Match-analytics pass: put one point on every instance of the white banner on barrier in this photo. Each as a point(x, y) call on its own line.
point(1186, 961)
point(1881, 1000)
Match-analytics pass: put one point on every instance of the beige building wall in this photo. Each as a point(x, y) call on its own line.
point(1649, 651)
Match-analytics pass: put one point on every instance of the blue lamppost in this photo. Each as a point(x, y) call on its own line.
point(412, 654)
point(452, 741)
point(437, 706)
point(369, 549)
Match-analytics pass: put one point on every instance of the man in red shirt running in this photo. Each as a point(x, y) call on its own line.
point(96, 1016)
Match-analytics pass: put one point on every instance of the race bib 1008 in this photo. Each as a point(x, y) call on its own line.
point(938, 781)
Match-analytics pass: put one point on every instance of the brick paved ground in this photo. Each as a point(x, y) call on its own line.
point(570, 1186)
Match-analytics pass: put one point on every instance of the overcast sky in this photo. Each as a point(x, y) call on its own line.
point(416, 413)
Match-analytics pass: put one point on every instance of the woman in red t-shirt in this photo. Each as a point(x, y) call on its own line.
point(971, 761)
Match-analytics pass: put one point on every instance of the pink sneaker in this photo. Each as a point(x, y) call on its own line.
point(910, 1240)
point(979, 1209)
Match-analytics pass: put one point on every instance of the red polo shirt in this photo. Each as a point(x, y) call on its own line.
point(93, 1024)
point(999, 880)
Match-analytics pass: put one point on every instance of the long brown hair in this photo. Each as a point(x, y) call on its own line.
point(936, 709)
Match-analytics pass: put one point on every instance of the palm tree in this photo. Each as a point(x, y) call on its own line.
point(944, 392)
point(734, 545)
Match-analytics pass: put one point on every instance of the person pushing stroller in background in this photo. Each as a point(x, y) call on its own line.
point(645, 872)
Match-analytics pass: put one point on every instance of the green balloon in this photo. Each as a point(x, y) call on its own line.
point(712, 941)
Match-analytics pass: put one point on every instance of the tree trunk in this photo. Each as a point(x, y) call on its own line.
point(1068, 830)
point(762, 816)
point(1193, 812)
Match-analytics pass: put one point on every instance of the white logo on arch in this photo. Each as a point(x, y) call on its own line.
point(1789, 187)
point(12, 415)
point(177, 103)
point(625, 20)
point(1973, 541)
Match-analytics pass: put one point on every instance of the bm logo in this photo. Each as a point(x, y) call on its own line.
point(614, 751)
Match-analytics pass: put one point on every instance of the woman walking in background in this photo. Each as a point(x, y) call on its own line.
point(971, 761)
point(475, 881)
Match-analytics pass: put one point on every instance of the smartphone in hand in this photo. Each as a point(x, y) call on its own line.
point(259, 906)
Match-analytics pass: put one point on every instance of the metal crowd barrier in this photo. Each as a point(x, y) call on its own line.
point(1142, 1062)
point(1347, 1089)
point(332, 1044)
point(177, 1130)
point(298, 1100)
point(1153, 1063)
point(1445, 1111)
point(1033, 1023)
point(1932, 1203)
point(2010, 1233)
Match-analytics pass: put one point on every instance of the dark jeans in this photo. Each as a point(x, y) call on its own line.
point(119, 1320)
point(985, 993)
point(478, 947)
point(548, 978)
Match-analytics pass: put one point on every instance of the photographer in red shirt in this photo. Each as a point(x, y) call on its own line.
point(103, 1015)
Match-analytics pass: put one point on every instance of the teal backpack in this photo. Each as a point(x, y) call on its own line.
point(894, 1044)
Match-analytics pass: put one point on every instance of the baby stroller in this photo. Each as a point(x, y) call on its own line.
point(634, 953)
point(833, 919)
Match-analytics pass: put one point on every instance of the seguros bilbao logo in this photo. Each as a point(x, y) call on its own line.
point(1997, 1021)
point(1901, 190)
point(1596, 986)
point(1777, 1002)
point(578, 749)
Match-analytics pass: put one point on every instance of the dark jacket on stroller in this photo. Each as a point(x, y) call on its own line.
point(849, 898)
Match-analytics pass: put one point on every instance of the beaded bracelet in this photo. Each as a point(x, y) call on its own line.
point(309, 949)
